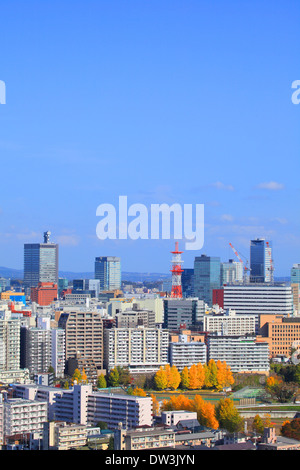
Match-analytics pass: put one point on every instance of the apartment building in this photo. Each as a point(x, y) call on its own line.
point(63, 436)
point(143, 439)
point(186, 353)
point(229, 323)
point(140, 349)
point(9, 342)
point(23, 416)
point(36, 349)
point(83, 334)
point(241, 353)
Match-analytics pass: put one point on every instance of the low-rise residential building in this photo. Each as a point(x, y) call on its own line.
point(64, 436)
point(143, 439)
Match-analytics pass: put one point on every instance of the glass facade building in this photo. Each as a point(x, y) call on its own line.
point(207, 276)
point(260, 260)
point(40, 263)
point(108, 272)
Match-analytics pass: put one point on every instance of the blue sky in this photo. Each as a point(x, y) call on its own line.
point(162, 101)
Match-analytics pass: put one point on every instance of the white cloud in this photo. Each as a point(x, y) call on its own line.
point(227, 217)
point(220, 185)
point(271, 185)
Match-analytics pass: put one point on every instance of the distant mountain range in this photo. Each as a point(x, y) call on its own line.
point(126, 276)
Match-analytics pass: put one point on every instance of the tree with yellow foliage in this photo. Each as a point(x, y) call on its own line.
point(206, 413)
point(155, 405)
point(160, 379)
point(185, 378)
point(194, 382)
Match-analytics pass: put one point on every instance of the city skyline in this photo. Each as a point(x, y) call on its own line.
point(165, 103)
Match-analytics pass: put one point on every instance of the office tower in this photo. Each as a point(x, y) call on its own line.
point(232, 271)
point(295, 274)
point(63, 283)
point(261, 263)
point(187, 282)
point(108, 271)
point(87, 286)
point(84, 334)
point(182, 313)
point(40, 263)
point(207, 276)
point(141, 350)
point(9, 342)
point(259, 299)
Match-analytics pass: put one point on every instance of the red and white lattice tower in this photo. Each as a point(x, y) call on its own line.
point(176, 273)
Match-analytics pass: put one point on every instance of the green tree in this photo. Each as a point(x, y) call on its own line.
point(114, 377)
point(258, 424)
point(101, 382)
point(228, 416)
point(185, 378)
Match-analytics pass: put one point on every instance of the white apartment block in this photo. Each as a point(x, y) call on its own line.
point(37, 349)
point(23, 416)
point(9, 342)
point(229, 323)
point(58, 351)
point(241, 353)
point(118, 410)
point(184, 353)
point(171, 418)
point(140, 349)
point(64, 436)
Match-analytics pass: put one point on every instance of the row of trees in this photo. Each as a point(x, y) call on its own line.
point(208, 376)
point(223, 415)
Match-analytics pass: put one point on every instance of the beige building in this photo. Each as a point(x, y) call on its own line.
point(281, 333)
point(64, 436)
point(142, 439)
point(83, 334)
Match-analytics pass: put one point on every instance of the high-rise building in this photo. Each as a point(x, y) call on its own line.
point(182, 313)
point(108, 271)
point(140, 349)
point(187, 282)
point(83, 334)
point(35, 349)
point(9, 342)
point(40, 263)
point(295, 274)
point(207, 276)
point(261, 264)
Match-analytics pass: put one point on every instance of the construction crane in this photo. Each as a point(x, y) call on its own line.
point(271, 268)
point(238, 255)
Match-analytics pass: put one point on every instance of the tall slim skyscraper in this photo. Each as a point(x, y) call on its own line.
point(261, 263)
point(108, 271)
point(207, 272)
point(295, 274)
point(40, 262)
